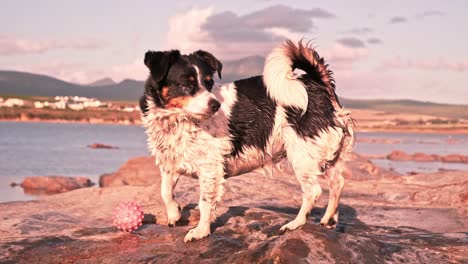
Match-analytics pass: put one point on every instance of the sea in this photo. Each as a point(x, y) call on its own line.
point(40, 148)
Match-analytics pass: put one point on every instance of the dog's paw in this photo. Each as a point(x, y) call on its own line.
point(196, 233)
point(329, 223)
point(295, 224)
point(173, 215)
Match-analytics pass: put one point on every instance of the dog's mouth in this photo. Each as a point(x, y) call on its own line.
point(201, 116)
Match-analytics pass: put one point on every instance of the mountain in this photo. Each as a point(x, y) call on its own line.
point(29, 84)
point(102, 82)
point(409, 106)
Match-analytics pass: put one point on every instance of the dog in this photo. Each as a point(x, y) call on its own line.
point(213, 132)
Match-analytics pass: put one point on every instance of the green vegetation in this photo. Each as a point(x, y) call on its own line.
point(410, 107)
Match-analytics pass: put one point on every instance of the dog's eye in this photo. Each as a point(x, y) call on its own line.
point(191, 80)
point(208, 81)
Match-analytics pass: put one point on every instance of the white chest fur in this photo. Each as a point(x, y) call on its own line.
point(181, 144)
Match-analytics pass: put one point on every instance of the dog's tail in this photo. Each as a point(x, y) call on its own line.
point(282, 84)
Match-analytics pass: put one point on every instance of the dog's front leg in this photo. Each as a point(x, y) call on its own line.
point(168, 183)
point(211, 190)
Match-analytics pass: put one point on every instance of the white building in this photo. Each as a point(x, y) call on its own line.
point(12, 102)
point(130, 109)
point(38, 104)
point(76, 106)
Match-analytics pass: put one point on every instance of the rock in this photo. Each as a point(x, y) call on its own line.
point(360, 168)
point(378, 140)
point(45, 185)
point(101, 146)
point(423, 157)
point(136, 171)
point(455, 158)
point(398, 155)
point(394, 219)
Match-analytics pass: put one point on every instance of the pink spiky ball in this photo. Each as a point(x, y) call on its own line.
point(128, 216)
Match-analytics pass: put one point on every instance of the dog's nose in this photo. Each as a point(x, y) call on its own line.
point(214, 105)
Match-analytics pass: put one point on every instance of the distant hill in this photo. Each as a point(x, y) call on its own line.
point(102, 82)
point(409, 106)
point(29, 84)
point(14, 83)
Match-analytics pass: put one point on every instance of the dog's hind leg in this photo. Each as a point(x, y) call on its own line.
point(307, 169)
point(311, 192)
point(335, 183)
point(168, 183)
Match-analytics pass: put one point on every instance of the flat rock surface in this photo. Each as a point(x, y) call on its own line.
point(383, 219)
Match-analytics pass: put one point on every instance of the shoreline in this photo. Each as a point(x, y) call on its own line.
point(64, 121)
point(97, 121)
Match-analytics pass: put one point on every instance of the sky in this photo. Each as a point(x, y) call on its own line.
point(393, 49)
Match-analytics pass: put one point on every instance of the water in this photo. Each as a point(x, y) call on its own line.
point(441, 144)
point(32, 149)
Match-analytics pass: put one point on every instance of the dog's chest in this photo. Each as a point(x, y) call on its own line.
point(181, 145)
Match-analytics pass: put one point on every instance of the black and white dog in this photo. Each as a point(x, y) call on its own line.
point(201, 130)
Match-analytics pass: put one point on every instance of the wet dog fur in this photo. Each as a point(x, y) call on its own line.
point(210, 132)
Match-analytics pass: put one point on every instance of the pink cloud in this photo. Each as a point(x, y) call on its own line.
point(340, 56)
point(16, 46)
point(433, 64)
point(133, 70)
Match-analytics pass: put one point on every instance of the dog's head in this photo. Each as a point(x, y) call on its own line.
point(183, 81)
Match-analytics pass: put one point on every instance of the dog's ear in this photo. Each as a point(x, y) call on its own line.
point(159, 62)
point(211, 60)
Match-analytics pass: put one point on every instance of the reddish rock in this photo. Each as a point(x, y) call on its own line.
point(411, 219)
point(140, 171)
point(45, 185)
point(423, 157)
point(378, 140)
point(101, 146)
point(360, 168)
point(398, 155)
point(455, 158)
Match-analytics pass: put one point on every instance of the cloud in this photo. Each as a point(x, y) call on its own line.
point(343, 57)
point(374, 40)
point(16, 46)
point(298, 20)
point(231, 36)
point(351, 42)
point(431, 13)
point(360, 31)
point(434, 64)
point(397, 19)
point(133, 70)
point(185, 30)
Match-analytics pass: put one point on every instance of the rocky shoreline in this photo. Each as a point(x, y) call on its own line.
point(384, 218)
point(398, 155)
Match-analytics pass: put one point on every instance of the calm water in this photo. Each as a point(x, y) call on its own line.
point(441, 144)
point(31, 149)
